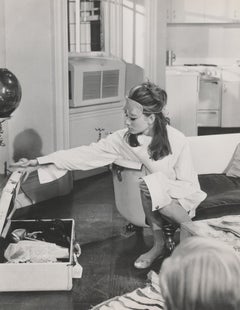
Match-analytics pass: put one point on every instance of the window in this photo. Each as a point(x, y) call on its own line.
point(85, 26)
point(110, 27)
point(126, 20)
point(133, 31)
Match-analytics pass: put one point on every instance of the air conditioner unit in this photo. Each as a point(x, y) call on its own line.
point(95, 80)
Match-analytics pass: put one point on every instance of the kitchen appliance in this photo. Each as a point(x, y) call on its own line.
point(95, 80)
point(210, 98)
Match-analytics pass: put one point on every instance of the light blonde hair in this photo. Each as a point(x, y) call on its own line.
point(201, 274)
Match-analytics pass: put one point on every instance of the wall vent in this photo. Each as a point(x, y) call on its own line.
point(91, 85)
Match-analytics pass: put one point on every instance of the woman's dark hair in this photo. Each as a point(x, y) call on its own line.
point(153, 99)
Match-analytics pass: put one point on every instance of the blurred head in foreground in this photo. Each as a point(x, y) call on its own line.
point(201, 274)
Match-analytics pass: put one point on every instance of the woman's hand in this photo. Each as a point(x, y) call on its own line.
point(143, 187)
point(24, 163)
point(28, 165)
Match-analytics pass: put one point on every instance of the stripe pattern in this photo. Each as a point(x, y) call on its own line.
point(147, 298)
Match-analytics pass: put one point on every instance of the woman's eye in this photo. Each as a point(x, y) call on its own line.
point(131, 118)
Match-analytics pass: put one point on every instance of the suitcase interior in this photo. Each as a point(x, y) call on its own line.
point(66, 226)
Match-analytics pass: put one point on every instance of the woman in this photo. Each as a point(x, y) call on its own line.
point(170, 187)
point(201, 274)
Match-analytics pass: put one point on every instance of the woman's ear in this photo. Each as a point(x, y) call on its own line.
point(151, 119)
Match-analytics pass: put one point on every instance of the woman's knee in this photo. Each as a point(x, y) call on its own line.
point(175, 212)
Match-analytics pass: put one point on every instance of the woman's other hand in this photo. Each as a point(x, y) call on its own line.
point(143, 187)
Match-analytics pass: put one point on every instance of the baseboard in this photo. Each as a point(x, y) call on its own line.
point(33, 192)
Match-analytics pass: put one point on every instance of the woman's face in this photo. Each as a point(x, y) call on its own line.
point(136, 124)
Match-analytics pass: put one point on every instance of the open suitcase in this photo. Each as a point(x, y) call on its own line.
point(37, 273)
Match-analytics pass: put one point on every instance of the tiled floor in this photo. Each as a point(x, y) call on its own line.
point(107, 253)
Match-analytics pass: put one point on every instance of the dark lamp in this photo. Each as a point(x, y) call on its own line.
point(10, 96)
point(10, 93)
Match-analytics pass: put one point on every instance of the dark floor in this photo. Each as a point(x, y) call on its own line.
point(107, 252)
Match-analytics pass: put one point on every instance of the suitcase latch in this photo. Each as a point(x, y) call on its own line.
point(77, 268)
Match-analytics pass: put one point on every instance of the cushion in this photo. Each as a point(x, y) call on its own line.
point(233, 169)
point(222, 192)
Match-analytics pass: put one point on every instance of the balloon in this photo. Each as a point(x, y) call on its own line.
point(10, 92)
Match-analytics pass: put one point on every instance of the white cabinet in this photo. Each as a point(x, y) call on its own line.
point(231, 99)
point(182, 90)
point(236, 11)
point(217, 11)
point(187, 11)
point(169, 12)
point(89, 124)
point(222, 11)
point(203, 11)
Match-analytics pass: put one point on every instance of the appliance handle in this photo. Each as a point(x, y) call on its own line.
point(208, 112)
point(210, 81)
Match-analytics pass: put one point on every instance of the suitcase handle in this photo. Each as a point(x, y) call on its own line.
point(77, 249)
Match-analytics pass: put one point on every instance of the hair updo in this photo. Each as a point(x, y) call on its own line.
point(153, 100)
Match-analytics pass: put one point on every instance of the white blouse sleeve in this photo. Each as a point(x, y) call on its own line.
point(85, 157)
point(163, 189)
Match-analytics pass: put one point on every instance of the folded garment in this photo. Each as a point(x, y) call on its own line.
point(233, 220)
point(34, 252)
point(232, 229)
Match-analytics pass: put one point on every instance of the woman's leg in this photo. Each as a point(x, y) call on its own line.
point(174, 211)
point(155, 222)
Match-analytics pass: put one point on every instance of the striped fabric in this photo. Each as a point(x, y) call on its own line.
point(147, 298)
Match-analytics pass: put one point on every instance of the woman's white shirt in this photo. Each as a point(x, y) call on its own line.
point(171, 177)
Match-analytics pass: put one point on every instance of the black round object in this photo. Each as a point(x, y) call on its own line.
point(10, 92)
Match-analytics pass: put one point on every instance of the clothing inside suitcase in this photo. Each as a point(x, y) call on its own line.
point(50, 231)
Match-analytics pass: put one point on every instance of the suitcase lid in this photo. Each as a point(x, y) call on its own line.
point(8, 196)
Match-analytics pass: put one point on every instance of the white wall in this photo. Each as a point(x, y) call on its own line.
point(199, 42)
point(2, 35)
point(3, 149)
point(35, 34)
point(29, 55)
